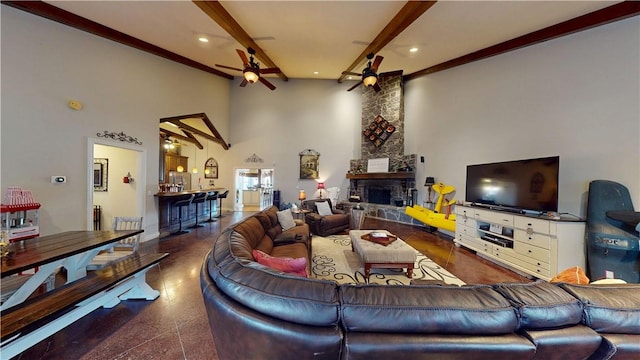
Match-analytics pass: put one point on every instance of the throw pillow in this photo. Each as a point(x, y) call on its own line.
point(323, 208)
point(573, 275)
point(296, 266)
point(285, 218)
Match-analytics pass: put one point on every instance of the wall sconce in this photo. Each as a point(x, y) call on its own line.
point(320, 188)
point(127, 179)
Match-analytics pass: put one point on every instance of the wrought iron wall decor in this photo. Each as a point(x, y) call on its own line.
point(254, 159)
point(119, 136)
point(379, 131)
point(309, 164)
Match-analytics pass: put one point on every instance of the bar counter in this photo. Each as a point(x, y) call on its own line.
point(168, 217)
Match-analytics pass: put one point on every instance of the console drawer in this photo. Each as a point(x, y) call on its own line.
point(532, 225)
point(543, 241)
point(532, 251)
point(466, 221)
point(494, 217)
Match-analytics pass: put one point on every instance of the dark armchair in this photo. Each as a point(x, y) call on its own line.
point(338, 221)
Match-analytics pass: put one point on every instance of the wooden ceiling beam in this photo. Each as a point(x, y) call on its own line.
point(604, 16)
point(53, 13)
point(189, 130)
point(409, 13)
point(219, 14)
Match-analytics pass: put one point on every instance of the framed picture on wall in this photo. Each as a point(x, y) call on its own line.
point(100, 174)
point(309, 166)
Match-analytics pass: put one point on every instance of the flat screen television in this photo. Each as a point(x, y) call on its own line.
point(522, 185)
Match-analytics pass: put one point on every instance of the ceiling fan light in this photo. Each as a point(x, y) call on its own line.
point(369, 79)
point(250, 76)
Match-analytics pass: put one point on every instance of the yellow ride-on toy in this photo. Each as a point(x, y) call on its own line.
point(436, 218)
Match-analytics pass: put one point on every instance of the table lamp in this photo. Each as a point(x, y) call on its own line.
point(320, 188)
point(430, 181)
point(302, 196)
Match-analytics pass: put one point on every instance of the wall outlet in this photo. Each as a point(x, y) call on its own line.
point(58, 179)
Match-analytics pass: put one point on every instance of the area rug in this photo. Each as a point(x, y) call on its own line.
point(334, 260)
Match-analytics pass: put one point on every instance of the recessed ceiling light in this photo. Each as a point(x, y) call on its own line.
point(203, 39)
point(315, 73)
point(413, 49)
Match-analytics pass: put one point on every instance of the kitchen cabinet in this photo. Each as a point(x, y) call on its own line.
point(171, 163)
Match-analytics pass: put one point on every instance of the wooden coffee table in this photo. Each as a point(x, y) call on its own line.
point(397, 255)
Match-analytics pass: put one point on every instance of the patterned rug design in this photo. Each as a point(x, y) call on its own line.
point(334, 260)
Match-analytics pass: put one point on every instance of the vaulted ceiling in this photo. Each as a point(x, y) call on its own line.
point(323, 39)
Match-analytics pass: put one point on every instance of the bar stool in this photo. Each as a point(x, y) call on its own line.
point(211, 197)
point(198, 199)
point(182, 201)
point(220, 197)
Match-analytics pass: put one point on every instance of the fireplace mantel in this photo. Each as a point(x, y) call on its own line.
point(400, 175)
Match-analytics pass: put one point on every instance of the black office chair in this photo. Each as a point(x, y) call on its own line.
point(612, 245)
point(220, 197)
point(212, 196)
point(198, 199)
point(179, 203)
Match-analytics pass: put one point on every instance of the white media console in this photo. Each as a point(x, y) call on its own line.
point(533, 245)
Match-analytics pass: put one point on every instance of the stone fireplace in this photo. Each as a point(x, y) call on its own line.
point(383, 188)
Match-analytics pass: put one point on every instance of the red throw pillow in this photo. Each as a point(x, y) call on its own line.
point(296, 266)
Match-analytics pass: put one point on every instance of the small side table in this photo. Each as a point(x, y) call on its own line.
point(301, 213)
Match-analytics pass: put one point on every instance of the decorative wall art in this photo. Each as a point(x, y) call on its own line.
point(379, 131)
point(100, 174)
point(309, 166)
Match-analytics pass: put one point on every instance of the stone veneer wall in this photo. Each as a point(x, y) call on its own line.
point(389, 103)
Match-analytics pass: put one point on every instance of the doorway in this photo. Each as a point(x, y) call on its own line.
point(116, 180)
point(254, 189)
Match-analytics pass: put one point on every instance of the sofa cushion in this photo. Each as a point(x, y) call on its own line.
point(296, 266)
point(542, 305)
point(609, 308)
point(472, 310)
point(323, 208)
point(285, 218)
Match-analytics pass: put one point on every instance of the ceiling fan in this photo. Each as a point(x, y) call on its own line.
point(369, 75)
point(252, 71)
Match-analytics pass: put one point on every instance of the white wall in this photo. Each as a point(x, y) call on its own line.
point(300, 114)
point(44, 64)
point(577, 97)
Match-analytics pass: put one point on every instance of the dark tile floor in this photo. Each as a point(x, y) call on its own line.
point(175, 325)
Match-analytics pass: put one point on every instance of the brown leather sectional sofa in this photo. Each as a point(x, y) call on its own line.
point(256, 312)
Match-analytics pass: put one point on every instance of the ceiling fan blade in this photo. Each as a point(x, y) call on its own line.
point(376, 87)
point(355, 86)
point(228, 67)
point(376, 63)
point(270, 71)
point(391, 73)
point(243, 56)
point(266, 83)
point(351, 73)
point(244, 83)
